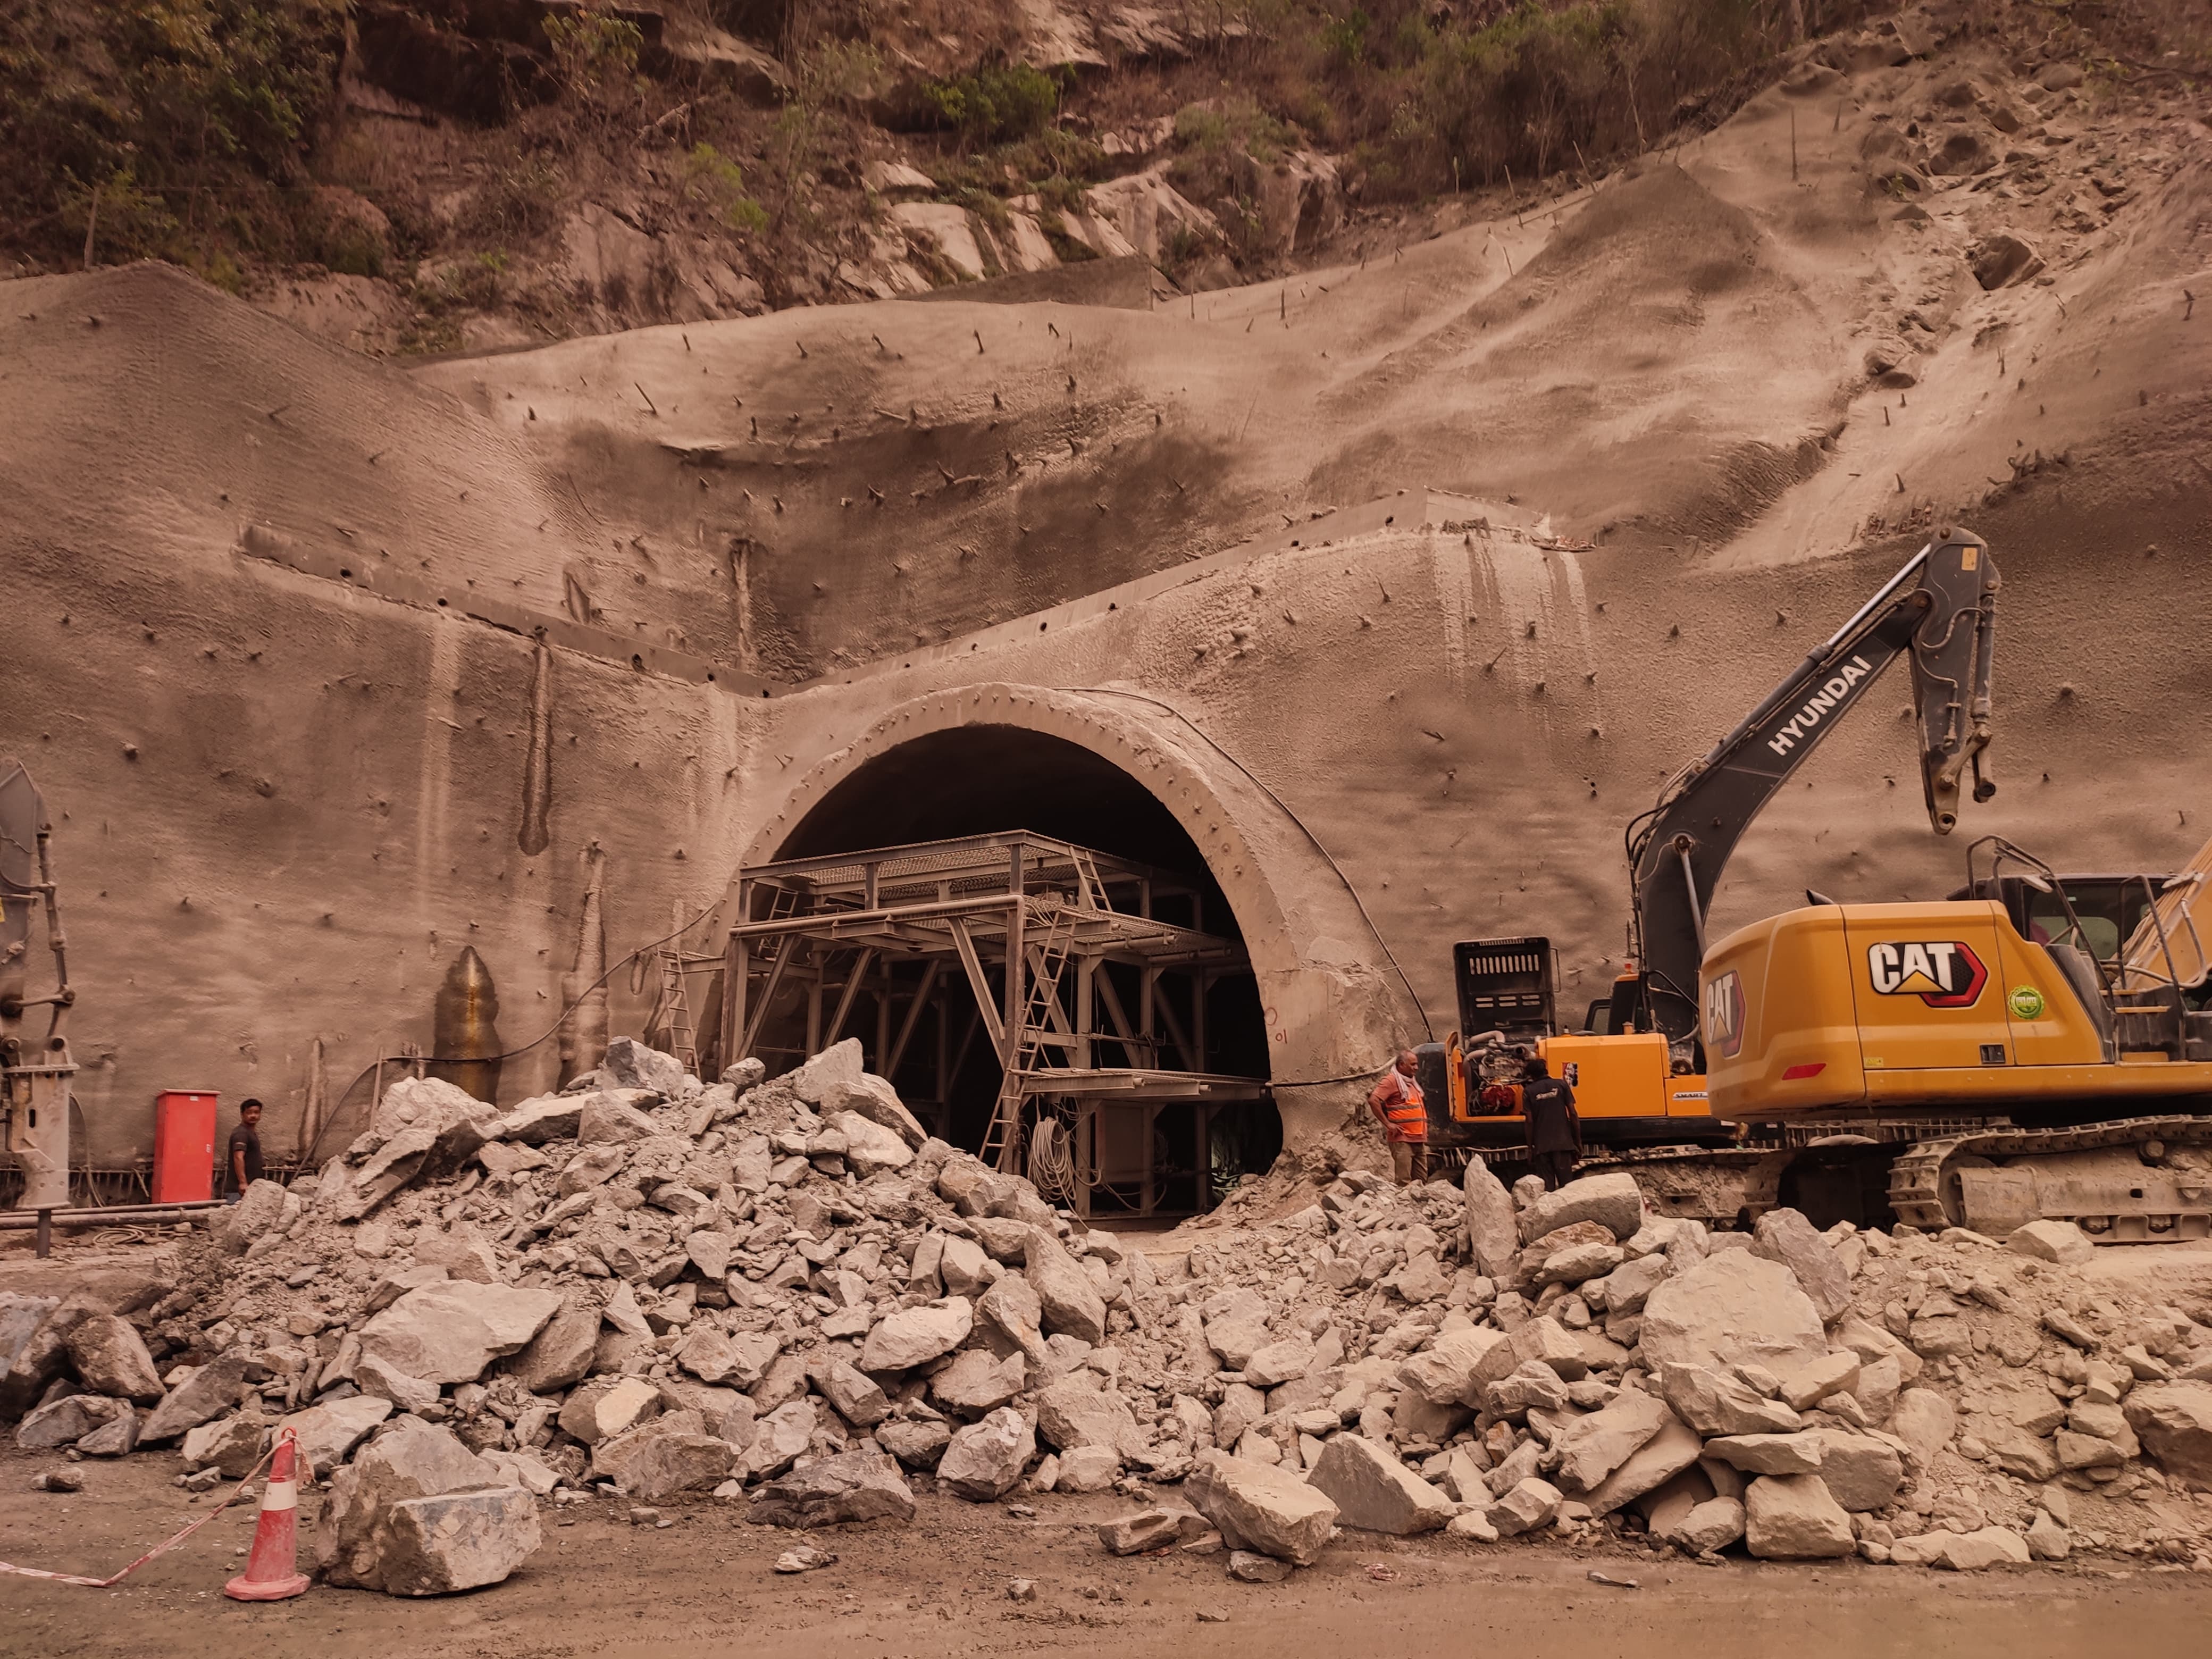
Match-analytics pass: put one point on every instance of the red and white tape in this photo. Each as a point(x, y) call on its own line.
point(291, 1500)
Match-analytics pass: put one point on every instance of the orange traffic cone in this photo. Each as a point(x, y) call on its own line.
point(270, 1574)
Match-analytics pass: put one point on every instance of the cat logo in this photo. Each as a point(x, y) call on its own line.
point(1724, 1015)
point(1943, 974)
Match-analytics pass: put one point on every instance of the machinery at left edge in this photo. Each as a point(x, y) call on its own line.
point(35, 1067)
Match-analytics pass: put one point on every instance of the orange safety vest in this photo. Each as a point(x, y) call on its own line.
point(1406, 1118)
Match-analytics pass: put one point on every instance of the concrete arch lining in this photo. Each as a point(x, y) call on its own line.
point(1334, 1004)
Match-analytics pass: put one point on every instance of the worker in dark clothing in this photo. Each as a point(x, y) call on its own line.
point(1555, 1131)
point(241, 1164)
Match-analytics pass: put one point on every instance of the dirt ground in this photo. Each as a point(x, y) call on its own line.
point(705, 1584)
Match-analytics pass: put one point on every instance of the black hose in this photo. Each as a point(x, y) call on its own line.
point(1261, 785)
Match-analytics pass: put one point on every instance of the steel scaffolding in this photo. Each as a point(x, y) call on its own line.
point(1027, 932)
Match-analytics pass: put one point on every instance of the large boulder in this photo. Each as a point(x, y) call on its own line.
point(983, 1461)
point(855, 1395)
point(915, 1336)
point(207, 1394)
point(870, 1096)
point(611, 1118)
point(602, 1412)
point(1860, 1472)
point(355, 1536)
point(1071, 1304)
point(1733, 1308)
point(41, 1357)
point(1786, 1237)
point(1792, 1517)
point(2052, 1241)
point(1256, 1506)
point(1072, 1414)
point(1649, 1466)
point(834, 1067)
point(64, 1421)
point(1769, 1454)
point(1592, 1448)
point(1373, 1490)
point(21, 1316)
point(1524, 1506)
point(1490, 1226)
point(328, 1433)
point(1612, 1201)
point(406, 1394)
point(452, 1331)
point(1715, 1402)
point(918, 1443)
point(111, 1358)
point(1968, 1552)
point(669, 1455)
point(781, 1438)
point(430, 1129)
point(977, 1382)
point(546, 1117)
point(1011, 1307)
point(1452, 1369)
point(259, 1211)
point(854, 1486)
point(1925, 1421)
point(630, 1064)
point(2173, 1420)
point(456, 1541)
point(870, 1148)
point(231, 1446)
point(560, 1356)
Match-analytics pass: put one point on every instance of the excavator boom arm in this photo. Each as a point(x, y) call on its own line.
point(1945, 622)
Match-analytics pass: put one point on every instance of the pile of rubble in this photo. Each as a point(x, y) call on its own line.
point(784, 1294)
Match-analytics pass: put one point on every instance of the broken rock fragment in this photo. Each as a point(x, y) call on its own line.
point(456, 1541)
point(1732, 1306)
point(1373, 1490)
point(111, 1358)
point(1527, 1505)
point(211, 1390)
point(451, 1333)
point(854, 1486)
point(1792, 1517)
point(1612, 1201)
point(364, 1540)
point(1259, 1507)
point(915, 1336)
point(983, 1461)
point(328, 1433)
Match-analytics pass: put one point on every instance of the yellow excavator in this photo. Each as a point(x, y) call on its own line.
point(2036, 1044)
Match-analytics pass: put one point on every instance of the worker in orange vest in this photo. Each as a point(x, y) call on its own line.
point(1396, 1101)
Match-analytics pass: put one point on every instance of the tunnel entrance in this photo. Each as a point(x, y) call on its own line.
point(1023, 938)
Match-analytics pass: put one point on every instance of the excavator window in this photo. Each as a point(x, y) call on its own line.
point(2109, 906)
point(1599, 1021)
point(2101, 934)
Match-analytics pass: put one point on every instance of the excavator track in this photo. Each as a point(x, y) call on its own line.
point(1925, 1181)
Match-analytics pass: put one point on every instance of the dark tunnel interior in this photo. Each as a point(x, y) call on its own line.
point(977, 780)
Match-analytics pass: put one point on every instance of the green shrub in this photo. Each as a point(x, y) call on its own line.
point(994, 104)
point(713, 178)
point(593, 50)
point(178, 115)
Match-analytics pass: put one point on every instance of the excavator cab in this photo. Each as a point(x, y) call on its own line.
point(2108, 908)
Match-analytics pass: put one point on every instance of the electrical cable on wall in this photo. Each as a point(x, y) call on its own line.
point(1261, 785)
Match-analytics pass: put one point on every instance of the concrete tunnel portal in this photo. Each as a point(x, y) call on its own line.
point(1132, 781)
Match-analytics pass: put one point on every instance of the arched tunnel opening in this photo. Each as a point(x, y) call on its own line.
point(1131, 1011)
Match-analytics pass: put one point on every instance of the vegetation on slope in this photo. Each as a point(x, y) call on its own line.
point(214, 133)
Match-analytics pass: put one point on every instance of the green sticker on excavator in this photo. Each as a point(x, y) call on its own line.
point(2026, 1002)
